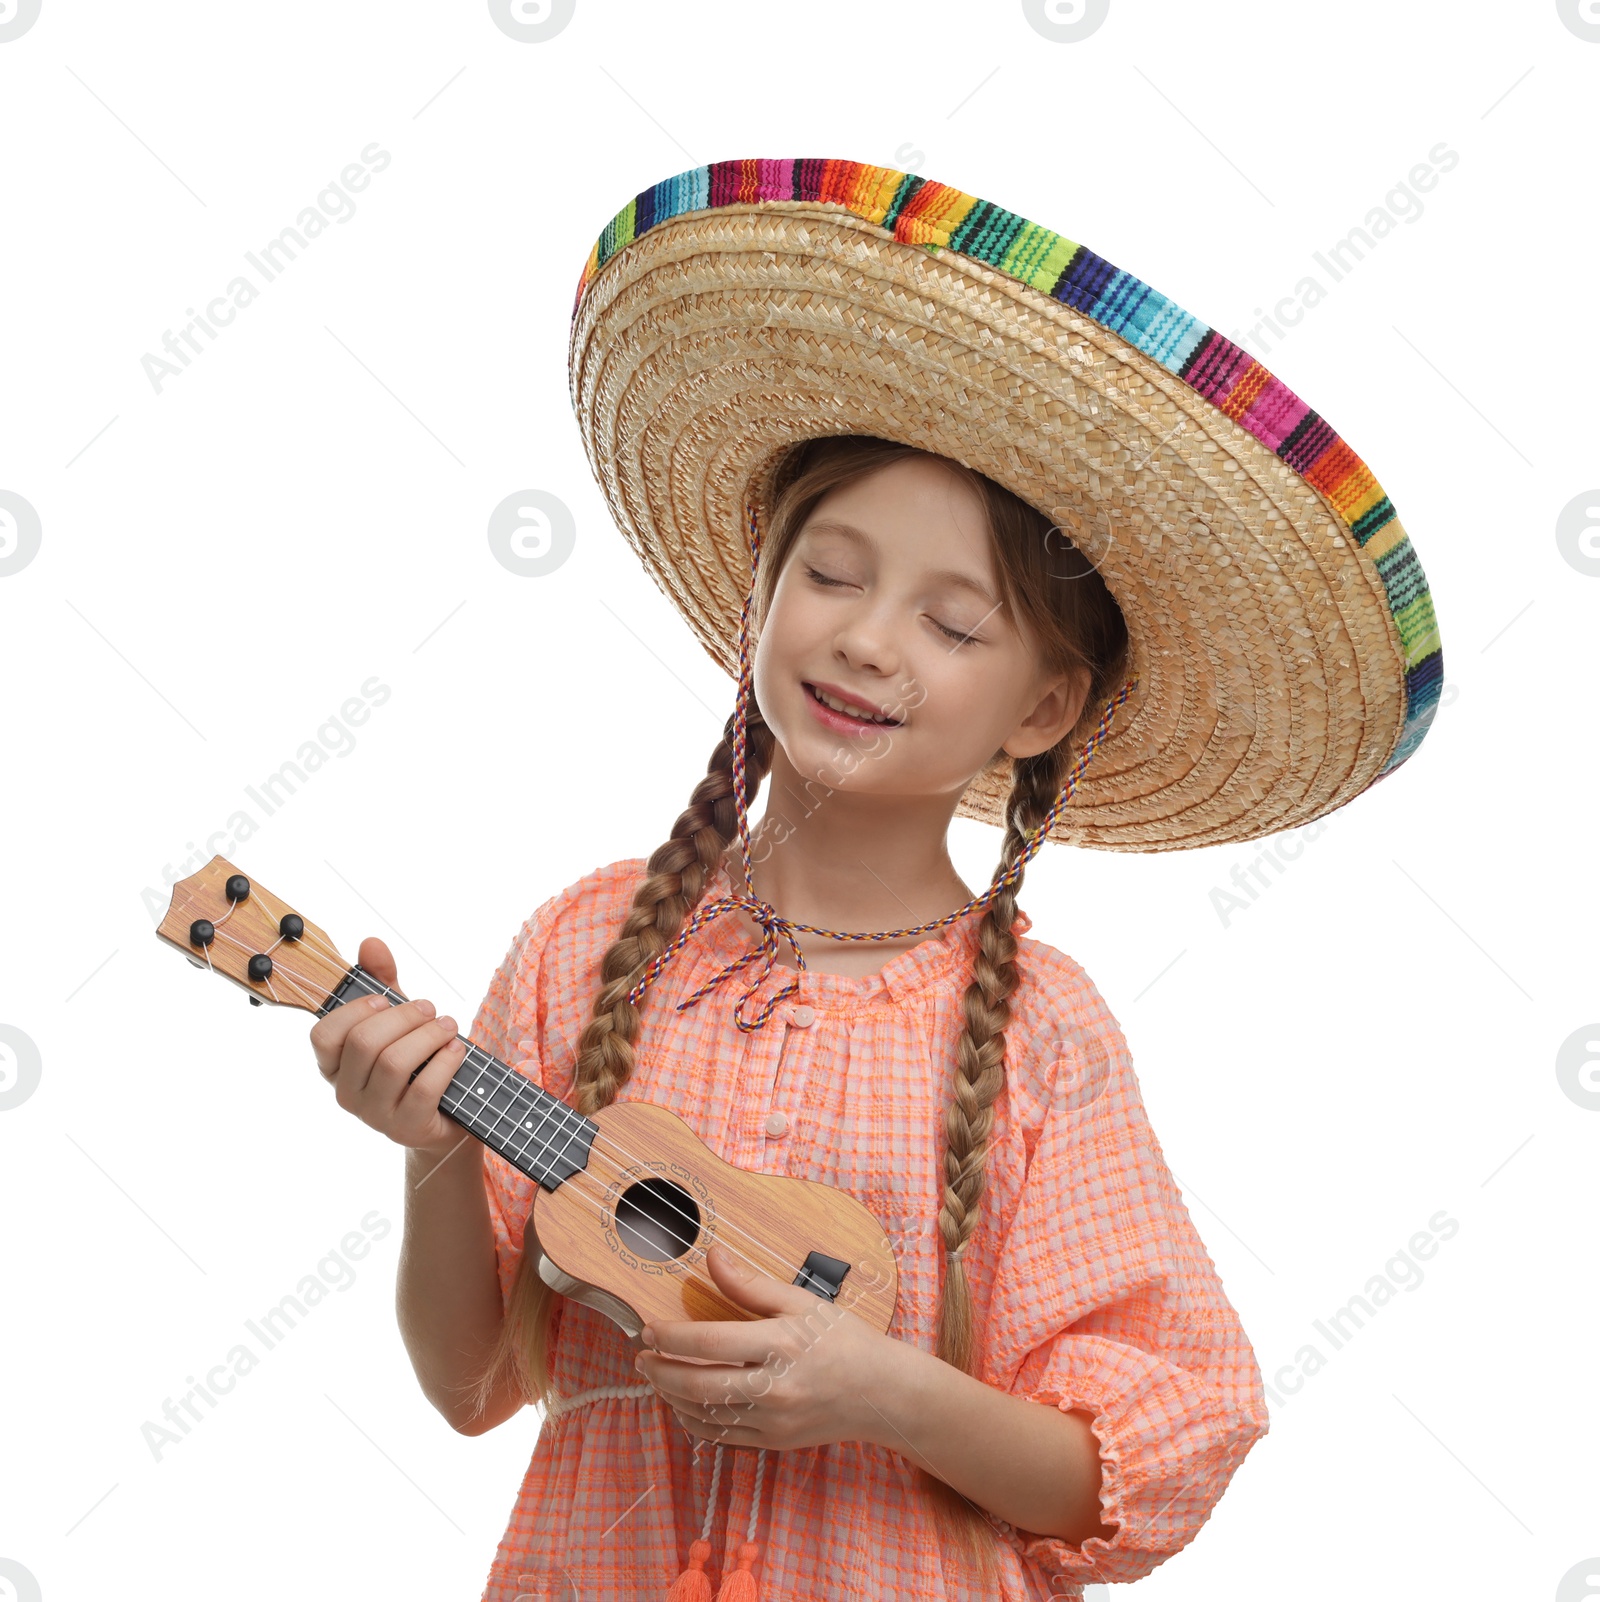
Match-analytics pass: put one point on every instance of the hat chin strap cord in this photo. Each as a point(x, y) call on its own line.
point(772, 922)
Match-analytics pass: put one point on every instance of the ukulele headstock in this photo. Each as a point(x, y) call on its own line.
point(222, 920)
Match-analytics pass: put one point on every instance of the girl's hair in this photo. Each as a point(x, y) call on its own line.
point(1052, 591)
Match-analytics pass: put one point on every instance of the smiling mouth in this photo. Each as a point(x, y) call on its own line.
point(835, 705)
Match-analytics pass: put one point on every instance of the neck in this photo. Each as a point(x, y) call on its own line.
point(510, 1114)
point(843, 860)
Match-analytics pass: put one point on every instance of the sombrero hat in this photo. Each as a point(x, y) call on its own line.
point(1282, 635)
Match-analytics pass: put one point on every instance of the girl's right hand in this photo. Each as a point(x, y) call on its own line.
point(369, 1050)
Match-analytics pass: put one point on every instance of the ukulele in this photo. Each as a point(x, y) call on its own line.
point(628, 1202)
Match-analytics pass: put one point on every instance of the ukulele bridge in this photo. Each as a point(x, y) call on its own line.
point(822, 1275)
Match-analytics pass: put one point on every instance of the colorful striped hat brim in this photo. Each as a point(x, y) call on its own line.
point(1283, 630)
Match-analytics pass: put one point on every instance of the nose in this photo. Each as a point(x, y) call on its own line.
point(866, 640)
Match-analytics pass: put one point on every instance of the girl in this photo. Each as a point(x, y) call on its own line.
point(1065, 1391)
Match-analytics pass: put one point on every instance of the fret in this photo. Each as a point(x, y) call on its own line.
point(567, 1126)
point(507, 1100)
point(535, 1132)
point(485, 1107)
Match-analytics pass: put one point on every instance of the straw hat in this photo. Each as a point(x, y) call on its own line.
point(1281, 629)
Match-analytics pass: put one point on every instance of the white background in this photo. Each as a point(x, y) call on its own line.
point(224, 563)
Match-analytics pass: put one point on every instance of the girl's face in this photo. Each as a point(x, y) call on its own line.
point(890, 598)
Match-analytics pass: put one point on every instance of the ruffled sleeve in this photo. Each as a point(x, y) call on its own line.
point(512, 1025)
point(1104, 1299)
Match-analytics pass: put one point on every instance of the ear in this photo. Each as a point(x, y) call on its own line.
point(1059, 706)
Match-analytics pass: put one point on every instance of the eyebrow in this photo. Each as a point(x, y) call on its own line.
point(946, 575)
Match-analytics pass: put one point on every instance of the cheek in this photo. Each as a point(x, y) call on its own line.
point(967, 705)
point(797, 635)
point(782, 623)
point(772, 669)
point(942, 684)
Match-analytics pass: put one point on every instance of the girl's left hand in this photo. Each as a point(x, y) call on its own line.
point(801, 1376)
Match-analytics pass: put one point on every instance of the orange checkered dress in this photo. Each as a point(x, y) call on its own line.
point(1091, 1288)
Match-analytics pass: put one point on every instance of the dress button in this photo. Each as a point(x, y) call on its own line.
point(777, 1124)
point(802, 1017)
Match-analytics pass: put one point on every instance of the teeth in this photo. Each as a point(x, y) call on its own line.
point(849, 711)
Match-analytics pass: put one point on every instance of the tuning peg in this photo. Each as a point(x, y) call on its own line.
point(291, 926)
point(256, 1001)
point(237, 888)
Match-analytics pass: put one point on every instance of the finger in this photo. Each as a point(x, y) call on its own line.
point(329, 1034)
point(712, 1340)
point(375, 958)
point(375, 1034)
point(725, 1415)
point(744, 1279)
point(695, 1384)
point(417, 1095)
point(378, 1029)
point(396, 1067)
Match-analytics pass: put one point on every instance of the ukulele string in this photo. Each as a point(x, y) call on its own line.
point(595, 1202)
point(361, 978)
point(600, 1143)
point(233, 907)
point(603, 1144)
point(205, 951)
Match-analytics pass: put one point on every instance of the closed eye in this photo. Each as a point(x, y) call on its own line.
point(811, 572)
point(958, 635)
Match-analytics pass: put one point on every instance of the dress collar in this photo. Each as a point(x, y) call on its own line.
point(943, 955)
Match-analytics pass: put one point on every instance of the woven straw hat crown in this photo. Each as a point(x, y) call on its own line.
point(1281, 629)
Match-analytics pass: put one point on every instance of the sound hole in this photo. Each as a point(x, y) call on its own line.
point(658, 1219)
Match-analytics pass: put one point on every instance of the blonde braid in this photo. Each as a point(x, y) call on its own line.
point(676, 879)
point(969, 1118)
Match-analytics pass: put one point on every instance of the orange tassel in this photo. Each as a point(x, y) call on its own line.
point(692, 1585)
point(740, 1586)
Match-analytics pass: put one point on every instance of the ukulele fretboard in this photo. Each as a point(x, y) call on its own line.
point(533, 1130)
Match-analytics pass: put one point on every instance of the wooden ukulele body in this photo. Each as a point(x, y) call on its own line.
point(629, 1235)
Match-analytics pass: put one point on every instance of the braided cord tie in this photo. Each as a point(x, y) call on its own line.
point(692, 1585)
point(562, 1405)
point(740, 1584)
point(772, 923)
